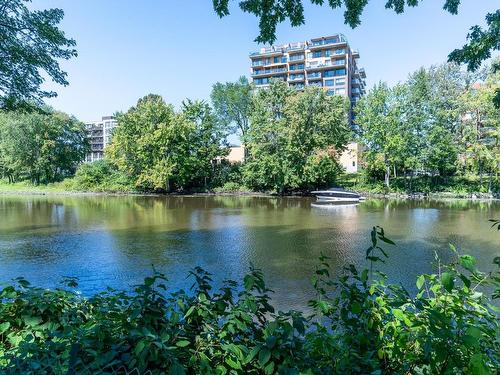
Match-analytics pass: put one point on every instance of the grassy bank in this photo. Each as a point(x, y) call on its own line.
point(459, 186)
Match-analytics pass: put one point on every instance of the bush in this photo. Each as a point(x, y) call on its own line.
point(99, 176)
point(231, 187)
point(360, 325)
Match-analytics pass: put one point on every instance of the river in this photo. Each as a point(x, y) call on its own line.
point(115, 240)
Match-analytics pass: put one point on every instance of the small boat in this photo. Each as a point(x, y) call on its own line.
point(337, 195)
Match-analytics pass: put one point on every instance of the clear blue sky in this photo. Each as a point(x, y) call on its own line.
point(179, 48)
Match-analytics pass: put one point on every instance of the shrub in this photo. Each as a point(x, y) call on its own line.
point(99, 176)
point(361, 324)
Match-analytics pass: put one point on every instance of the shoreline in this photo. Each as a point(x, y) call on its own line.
point(405, 196)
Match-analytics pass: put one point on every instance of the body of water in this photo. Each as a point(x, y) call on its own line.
point(115, 241)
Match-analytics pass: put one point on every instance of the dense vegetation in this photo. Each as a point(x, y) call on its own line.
point(40, 146)
point(161, 150)
point(439, 123)
point(295, 139)
point(359, 324)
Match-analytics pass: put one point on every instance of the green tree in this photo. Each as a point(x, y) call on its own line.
point(232, 102)
point(379, 122)
point(207, 142)
point(271, 13)
point(160, 149)
point(481, 127)
point(294, 139)
point(41, 147)
point(30, 43)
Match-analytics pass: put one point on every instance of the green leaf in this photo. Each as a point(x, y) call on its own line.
point(182, 343)
point(234, 364)
point(398, 314)
point(468, 262)
point(477, 365)
point(269, 369)
point(447, 281)
point(4, 327)
point(176, 369)
point(356, 308)
point(420, 281)
point(264, 356)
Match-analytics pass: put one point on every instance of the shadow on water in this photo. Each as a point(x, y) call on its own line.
point(114, 241)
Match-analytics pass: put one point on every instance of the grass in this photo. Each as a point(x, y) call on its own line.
point(462, 186)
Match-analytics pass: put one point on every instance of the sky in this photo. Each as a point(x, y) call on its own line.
point(180, 48)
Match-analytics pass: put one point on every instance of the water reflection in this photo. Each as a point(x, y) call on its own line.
point(114, 241)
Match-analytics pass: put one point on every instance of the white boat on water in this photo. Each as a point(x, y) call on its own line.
point(337, 195)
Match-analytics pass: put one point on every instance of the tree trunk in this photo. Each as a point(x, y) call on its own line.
point(387, 176)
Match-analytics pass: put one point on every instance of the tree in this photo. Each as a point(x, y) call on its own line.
point(232, 102)
point(379, 121)
point(160, 149)
point(480, 43)
point(272, 12)
point(207, 141)
point(294, 139)
point(30, 43)
point(480, 130)
point(41, 147)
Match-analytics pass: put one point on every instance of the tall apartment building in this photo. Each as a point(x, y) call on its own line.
point(99, 134)
point(327, 62)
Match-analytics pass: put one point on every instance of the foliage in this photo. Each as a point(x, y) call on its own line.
point(360, 324)
point(271, 13)
point(159, 149)
point(294, 139)
point(232, 102)
point(480, 43)
point(31, 44)
point(438, 123)
point(99, 176)
point(231, 187)
point(40, 146)
point(458, 186)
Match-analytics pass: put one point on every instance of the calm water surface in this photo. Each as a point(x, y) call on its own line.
point(114, 241)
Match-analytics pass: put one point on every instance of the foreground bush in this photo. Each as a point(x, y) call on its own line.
point(360, 324)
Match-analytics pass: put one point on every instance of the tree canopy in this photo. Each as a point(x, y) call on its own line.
point(30, 45)
point(160, 149)
point(41, 147)
point(295, 138)
point(439, 122)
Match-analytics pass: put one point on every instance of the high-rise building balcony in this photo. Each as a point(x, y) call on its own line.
point(264, 72)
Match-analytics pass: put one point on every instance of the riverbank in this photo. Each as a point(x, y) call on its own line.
point(25, 188)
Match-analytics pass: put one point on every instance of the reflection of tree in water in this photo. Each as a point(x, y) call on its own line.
point(114, 240)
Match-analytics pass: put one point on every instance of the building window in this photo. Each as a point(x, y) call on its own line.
point(316, 54)
point(296, 57)
point(353, 163)
point(340, 51)
point(340, 72)
point(328, 52)
point(340, 91)
point(276, 60)
point(330, 92)
point(329, 73)
point(329, 82)
point(340, 81)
